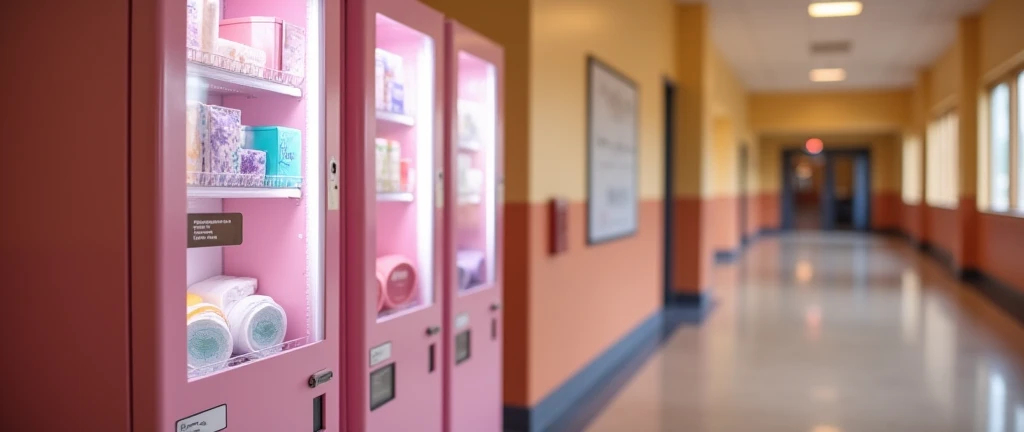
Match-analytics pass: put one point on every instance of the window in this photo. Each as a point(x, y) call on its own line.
point(912, 170)
point(1020, 142)
point(1005, 141)
point(999, 152)
point(941, 156)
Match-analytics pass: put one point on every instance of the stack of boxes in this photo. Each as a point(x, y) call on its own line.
point(221, 152)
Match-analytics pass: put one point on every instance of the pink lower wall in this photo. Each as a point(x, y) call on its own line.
point(769, 211)
point(722, 230)
point(942, 228)
point(66, 362)
point(585, 300)
point(1000, 240)
point(912, 222)
point(886, 210)
point(561, 312)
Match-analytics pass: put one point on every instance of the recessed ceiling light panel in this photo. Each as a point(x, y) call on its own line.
point(828, 75)
point(832, 9)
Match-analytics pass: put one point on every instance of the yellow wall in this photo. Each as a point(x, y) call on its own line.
point(816, 113)
point(727, 107)
point(1002, 40)
point(945, 82)
point(578, 306)
point(635, 39)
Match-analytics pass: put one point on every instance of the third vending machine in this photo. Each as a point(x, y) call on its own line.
point(473, 231)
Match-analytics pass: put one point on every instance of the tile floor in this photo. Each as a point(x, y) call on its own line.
point(832, 333)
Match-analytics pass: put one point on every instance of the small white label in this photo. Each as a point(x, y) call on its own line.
point(211, 420)
point(462, 321)
point(380, 354)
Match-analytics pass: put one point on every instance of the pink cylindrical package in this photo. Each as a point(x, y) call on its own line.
point(263, 33)
point(380, 292)
point(399, 277)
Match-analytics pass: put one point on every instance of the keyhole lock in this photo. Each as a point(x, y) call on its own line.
point(334, 167)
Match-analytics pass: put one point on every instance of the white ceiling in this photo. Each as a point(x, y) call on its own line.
point(768, 41)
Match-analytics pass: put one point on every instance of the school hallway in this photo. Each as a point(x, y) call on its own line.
point(832, 332)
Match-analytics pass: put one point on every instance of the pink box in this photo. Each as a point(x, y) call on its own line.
point(284, 43)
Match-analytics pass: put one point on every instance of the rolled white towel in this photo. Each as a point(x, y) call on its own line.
point(224, 291)
point(208, 336)
point(257, 322)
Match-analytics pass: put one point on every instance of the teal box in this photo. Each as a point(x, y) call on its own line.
point(284, 153)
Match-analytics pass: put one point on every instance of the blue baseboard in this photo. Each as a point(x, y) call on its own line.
point(689, 308)
point(1004, 296)
point(575, 402)
point(727, 256)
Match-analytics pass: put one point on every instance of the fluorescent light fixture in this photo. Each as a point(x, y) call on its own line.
point(828, 75)
point(835, 9)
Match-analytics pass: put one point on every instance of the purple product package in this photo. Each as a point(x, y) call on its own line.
point(193, 32)
point(293, 49)
point(224, 140)
point(195, 136)
point(253, 166)
point(470, 264)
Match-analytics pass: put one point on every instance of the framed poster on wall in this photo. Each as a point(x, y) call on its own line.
point(612, 160)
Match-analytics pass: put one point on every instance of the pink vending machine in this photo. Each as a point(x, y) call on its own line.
point(393, 225)
point(235, 215)
point(473, 227)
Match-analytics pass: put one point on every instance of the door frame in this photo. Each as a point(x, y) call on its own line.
point(743, 160)
point(670, 91)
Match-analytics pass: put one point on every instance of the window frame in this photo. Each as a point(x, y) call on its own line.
point(1015, 205)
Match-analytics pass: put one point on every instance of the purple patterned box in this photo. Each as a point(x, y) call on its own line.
point(293, 49)
point(193, 32)
point(223, 141)
point(195, 135)
point(254, 167)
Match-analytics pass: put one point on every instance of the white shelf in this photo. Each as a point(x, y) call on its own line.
point(396, 196)
point(219, 81)
point(240, 192)
point(396, 118)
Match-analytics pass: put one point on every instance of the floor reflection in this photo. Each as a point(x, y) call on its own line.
point(833, 333)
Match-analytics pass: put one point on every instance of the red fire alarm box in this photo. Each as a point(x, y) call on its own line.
point(558, 230)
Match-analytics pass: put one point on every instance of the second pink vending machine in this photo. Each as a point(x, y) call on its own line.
point(474, 199)
point(235, 215)
point(394, 176)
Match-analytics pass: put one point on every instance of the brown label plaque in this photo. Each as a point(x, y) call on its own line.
point(214, 229)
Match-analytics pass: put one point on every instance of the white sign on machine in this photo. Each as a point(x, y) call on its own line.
point(212, 420)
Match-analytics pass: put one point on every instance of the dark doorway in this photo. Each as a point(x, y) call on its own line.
point(669, 187)
point(742, 194)
point(827, 191)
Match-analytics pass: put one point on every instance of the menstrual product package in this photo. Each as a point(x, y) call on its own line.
point(224, 140)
